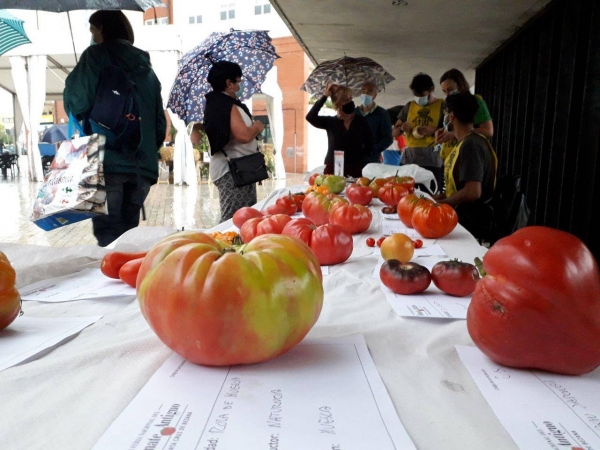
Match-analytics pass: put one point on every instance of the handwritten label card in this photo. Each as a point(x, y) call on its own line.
point(323, 394)
point(27, 337)
point(84, 285)
point(540, 410)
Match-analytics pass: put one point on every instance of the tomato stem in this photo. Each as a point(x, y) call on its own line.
point(479, 265)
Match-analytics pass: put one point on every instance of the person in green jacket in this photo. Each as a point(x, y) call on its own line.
point(128, 179)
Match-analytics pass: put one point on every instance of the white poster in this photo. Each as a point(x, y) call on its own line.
point(540, 410)
point(323, 394)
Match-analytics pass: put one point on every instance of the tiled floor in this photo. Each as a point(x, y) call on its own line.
point(167, 205)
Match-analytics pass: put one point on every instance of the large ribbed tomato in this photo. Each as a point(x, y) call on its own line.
point(263, 225)
point(352, 218)
point(316, 206)
point(434, 220)
point(539, 304)
point(407, 205)
point(10, 300)
point(331, 244)
point(359, 195)
point(391, 194)
point(218, 307)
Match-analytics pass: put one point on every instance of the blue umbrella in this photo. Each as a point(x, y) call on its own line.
point(252, 50)
point(56, 133)
point(12, 33)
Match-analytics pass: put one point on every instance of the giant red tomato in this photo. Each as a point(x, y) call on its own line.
point(352, 218)
point(434, 220)
point(391, 194)
point(331, 244)
point(407, 205)
point(359, 195)
point(221, 307)
point(10, 300)
point(263, 225)
point(539, 304)
point(316, 206)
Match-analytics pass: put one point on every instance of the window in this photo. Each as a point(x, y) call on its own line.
point(158, 21)
point(262, 7)
point(198, 19)
point(228, 11)
point(192, 20)
point(149, 22)
point(195, 19)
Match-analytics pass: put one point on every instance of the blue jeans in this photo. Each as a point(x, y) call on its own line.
point(124, 200)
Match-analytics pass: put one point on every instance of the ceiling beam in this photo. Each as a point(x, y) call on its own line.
point(58, 65)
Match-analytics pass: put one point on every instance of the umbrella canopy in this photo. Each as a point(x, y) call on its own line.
point(72, 5)
point(12, 33)
point(346, 71)
point(252, 50)
point(56, 133)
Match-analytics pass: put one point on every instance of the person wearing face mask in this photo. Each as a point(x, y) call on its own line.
point(128, 180)
point(229, 127)
point(453, 82)
point(346, 131)
point(419, 120)
point(470, 169)
point(379, 121)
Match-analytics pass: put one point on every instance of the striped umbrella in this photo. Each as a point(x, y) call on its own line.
point(12, 33)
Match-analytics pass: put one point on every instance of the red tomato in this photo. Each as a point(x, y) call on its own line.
point(331, 244)
point(455, 277)
point(418, 243)
point(391, 194)
point(311, 180)
point(113, 261)
point(10, 300)
point(370, 242)
point(434, 220)
point(359, 195)
point(404, 278)
point(275, 209)
point(316, 206)
point(352, 218)
point(263, 225)
point(380, 241)
point(298, 198)
point(210, 304)
point(407, 182)
point(538, 307)
point(245, 213)
point(288, 204)
point(407, 205)
point(129, 271)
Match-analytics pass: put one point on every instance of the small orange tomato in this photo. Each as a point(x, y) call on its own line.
point(398, 246)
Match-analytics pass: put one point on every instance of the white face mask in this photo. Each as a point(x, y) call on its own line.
point(366, 99)
point(422, 101)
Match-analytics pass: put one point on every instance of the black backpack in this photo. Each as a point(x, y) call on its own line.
point(509, 206)
point(115, 113)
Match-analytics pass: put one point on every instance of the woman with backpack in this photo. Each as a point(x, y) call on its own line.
point(131, 153)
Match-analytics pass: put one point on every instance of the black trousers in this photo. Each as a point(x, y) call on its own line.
point(124, 199)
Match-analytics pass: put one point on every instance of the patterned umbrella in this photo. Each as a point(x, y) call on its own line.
point(12, 33)
point(252, 50)
point(346, 71)
point(71, 5)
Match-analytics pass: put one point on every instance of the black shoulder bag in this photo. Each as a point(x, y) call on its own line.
point(248, 169)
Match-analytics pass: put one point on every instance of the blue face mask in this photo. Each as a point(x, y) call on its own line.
point(92, 41)
point(240, 92)
point(422, 101)
point(366, 99)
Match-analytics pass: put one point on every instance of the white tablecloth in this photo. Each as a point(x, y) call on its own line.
point(68, 398)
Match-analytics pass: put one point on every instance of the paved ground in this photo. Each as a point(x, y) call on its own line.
point(167, 205)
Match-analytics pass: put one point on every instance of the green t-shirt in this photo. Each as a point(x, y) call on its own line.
point(483, 113)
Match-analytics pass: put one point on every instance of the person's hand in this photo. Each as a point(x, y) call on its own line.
point(396, 131)
point(424, 130)
point(258, 125)
point(327, 92)
point(406, 127)
point(442, 136)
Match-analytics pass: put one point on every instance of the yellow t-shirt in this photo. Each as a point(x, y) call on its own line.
point(428, 115)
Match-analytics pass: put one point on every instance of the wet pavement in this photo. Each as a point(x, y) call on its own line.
point(191, 207)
